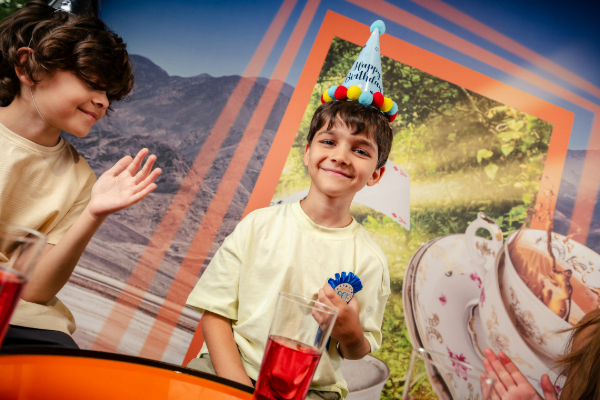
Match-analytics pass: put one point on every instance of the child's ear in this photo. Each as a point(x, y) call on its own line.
point(306, 152)
point(23, 55)
point(376, 177)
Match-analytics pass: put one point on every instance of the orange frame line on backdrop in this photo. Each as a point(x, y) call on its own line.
point(352, 31)
point(355, 32)
point(588, 192)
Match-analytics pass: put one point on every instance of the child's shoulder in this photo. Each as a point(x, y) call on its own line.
point(375, 252)
point(80, 164)
point(372, 246)
point(266, 216)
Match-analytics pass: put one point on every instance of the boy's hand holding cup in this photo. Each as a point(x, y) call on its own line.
point(347, 329)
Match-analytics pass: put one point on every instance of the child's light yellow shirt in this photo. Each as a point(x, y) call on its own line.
point(45, 189)
point(42, 188)
point(280, 249)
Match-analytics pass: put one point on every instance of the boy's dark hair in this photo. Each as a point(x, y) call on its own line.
point(60, 40)
point(361, 119)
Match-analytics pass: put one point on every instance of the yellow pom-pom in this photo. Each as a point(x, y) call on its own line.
point(354, 93)
point(387, 105)
point(327, 98)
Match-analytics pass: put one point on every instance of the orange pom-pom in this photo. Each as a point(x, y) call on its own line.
point(377, 99)
point(341, 93)
point(391, 118)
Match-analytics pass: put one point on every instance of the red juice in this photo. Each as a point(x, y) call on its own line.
point(11, 284)
point(287, 370)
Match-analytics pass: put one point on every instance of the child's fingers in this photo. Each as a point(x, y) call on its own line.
point(490, 355)
point(487, 390)
point(137, 161)
point(329, 291)
point(497, 371)
point(145, 192)
point(548, 388)
point(513, 370)
point(149, 179)
point(321, 313)
point(503, 374)
point(333, 296)
point(318, 315)
point(324, 299)
point(488, 367)
point(120, 166)
point(145, 171)
point(494, 395)
point(499, 388)
point(353, 304)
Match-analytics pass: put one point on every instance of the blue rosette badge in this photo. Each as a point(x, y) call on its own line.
point(346, 285)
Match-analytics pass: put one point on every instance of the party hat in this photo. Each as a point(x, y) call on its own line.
point(364, 81)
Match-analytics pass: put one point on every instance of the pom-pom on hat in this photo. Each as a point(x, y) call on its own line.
point(364, 81)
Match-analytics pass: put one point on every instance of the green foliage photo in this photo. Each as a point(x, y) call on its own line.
point(465, 153)
point(7, 7)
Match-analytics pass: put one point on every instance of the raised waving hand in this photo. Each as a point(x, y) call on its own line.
point(123, 185)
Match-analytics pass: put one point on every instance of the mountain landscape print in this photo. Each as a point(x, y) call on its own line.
point(171, 116)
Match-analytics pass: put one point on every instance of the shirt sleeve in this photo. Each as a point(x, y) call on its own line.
point(217, 290)
point(74, 212)
point(372, 325)
point(376, 288)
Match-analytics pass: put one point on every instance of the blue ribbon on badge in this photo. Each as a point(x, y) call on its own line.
point(346, 285)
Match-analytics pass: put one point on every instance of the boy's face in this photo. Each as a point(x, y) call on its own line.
point(68, 103)
point(340, 163)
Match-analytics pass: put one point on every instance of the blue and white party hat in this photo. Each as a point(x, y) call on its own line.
point(364, 81)
point(366, 71)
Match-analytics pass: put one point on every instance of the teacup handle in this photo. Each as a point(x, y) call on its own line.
point(485, 222)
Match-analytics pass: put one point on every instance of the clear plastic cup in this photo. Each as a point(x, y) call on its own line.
point(20, 249)
point(298, 336)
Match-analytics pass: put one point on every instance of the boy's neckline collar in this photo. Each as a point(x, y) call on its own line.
point(15, 137)
point(328, 233)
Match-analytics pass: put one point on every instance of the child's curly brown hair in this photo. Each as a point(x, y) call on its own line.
point(60, 40)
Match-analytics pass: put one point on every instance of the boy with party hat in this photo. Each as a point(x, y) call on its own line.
point(308, 247)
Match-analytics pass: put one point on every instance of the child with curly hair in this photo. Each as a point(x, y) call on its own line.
point(59, 72)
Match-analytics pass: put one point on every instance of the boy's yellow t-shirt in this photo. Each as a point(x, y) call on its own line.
point(279, 249)
point(45, 189)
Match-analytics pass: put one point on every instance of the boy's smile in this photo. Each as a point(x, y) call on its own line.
point(336, 172)
point(341, 163)
point(91, 114)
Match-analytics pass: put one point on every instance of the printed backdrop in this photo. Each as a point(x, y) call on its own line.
point(494, 117)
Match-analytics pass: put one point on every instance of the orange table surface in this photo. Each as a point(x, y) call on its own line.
point(96, 375)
